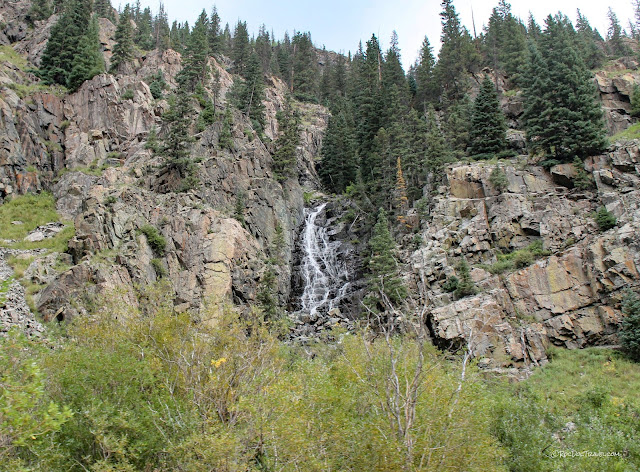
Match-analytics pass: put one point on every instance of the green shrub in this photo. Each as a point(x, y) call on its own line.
point(158, 266)
point(498, 179)
point(605, 219)
point(155, 239)
point(127, 94)
point(451, 284)
point(519, 258)
point(465, 286)
point(630, 331)
point(582, 180)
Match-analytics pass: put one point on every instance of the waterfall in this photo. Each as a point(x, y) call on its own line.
point(326, 280)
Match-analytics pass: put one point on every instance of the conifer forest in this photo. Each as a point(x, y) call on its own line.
point(227, 250)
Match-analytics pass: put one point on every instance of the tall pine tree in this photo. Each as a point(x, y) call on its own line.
point(123, 49)
point(488, 128)
point(562, 117)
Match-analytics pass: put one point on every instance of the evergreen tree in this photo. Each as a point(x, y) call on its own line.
point(437, 153)
point(40, 10)
point(465, 286)
point(161, 30)
point(304, 71)
point(339, 164)
point(339, 79)
point(561, 115)
point(177, 142)
point(71, 46)
point(196, 56)
point(225, 139)
point(615, 41)
point(488, 129)
point(241, 49)
point(367, 97)
point(457, 54)
point(285, 162)
point(426, 86)
point(400, 198)
point(382, 267)
point(214, 35)
point(630, 332)
point(103, 9)
point(248, 95)
point(263, 48)
point(123, 49)
point(587, 42)
point(144, 30)
point(457, 126)
point(89, 62)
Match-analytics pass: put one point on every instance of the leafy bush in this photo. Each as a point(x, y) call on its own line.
point(605, 219)
point(155, 239)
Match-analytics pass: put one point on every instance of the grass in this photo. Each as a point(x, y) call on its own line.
point(4, 289)
point(92, 169)
point(633, 132)
point(8, 54)
point(583, 400)
point(19, 264)
point(617, 73)
point(24, 90)
point(33, 211)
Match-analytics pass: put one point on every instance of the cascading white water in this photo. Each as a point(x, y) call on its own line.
point(325, 276)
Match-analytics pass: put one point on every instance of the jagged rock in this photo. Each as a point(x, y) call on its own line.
point(615, 92)
point(564, 174)
point(570, 298)
point(44, 232)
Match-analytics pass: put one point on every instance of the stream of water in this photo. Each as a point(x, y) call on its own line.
point(326, 277)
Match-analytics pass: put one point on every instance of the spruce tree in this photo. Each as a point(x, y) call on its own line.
point(382, 267)
point(123, 49)
point(263, 48)
point(457, 126)
point(304, 69)
point(248, 95)
point(176, 144)
point(241, 49)
point(615, 41)
point(339, 165)
point(196, 56)
point(214, 34)
point(457, 54)
point(587, 42)
point(437, 153)
point(40, 10)
point(225, 139)
point(161, 32)
point(103, 9)
point(426, 86)
point(488, 129)
point(562, 117)
point(144, 32)
point(89, 62)
point(285, 162)
point(68, 45)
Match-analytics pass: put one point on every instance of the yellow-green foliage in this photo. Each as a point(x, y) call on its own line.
point(156, 390)
point(8, 54)
point(33, 211)
point(633, 132)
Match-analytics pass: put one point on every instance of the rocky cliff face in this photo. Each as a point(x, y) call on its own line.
point(88, 148)
point(615, 86)
point(570, 298)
